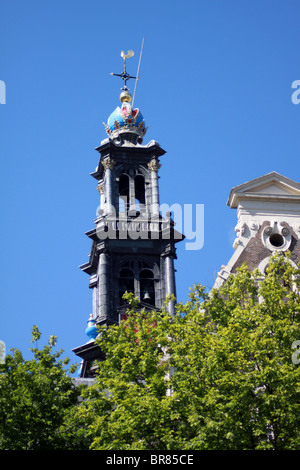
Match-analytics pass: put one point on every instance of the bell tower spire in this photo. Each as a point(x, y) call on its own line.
point(133, 246)
point(126, 124)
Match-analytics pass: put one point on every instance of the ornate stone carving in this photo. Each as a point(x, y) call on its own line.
point(100, 188)
point(276, 237)
point(108, 163)
point(285, 231)
point(254, 226)
point(240, 229)
point(268, 230)
point(154, 165)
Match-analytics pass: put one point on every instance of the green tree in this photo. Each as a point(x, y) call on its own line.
point(38, 400)
point(217, 375)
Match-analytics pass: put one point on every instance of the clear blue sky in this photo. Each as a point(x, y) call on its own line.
point(215, 90)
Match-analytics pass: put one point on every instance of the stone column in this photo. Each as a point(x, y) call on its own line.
point(94, 286)
point(132, 208)
point(154, 167)
point(100, 188)
point(170, 281)
point(95, 302)
point(103, 285)
point(108, 165)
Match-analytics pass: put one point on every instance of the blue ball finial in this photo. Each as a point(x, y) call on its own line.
point(91, 329)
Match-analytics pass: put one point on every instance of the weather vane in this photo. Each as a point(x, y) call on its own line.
point(125, 75)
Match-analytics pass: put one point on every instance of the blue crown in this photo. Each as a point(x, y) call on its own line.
point(125, 119)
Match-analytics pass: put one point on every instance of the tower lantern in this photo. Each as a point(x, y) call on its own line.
point(133, 246)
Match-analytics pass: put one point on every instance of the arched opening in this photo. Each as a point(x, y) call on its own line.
point(123, 193)
point(147, 289)
point(139, 185)
point(126, 283)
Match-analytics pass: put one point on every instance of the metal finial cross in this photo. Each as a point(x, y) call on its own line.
point(124, 75)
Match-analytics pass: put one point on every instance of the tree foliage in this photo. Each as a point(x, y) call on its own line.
point(217, 375)
point(37, 400)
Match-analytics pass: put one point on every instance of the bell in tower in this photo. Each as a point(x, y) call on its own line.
point(133, 246)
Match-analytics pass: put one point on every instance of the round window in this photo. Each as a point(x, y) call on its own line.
point(276, 240)
point(276, 237)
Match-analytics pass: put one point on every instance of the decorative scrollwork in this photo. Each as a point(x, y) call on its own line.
point(285, 231)
point(268, 230)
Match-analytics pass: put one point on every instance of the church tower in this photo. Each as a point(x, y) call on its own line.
point(133, 246)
